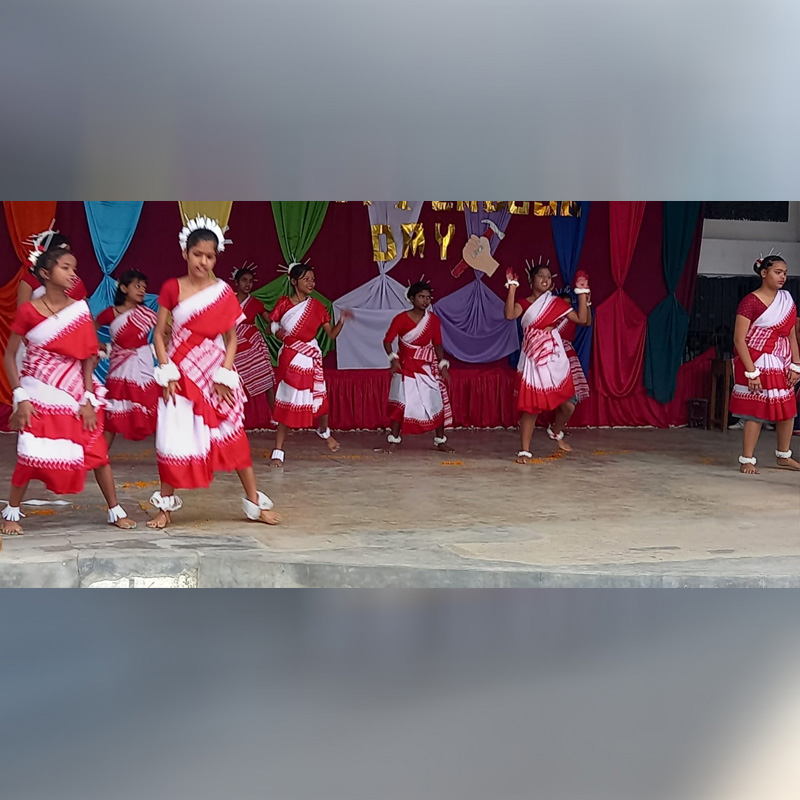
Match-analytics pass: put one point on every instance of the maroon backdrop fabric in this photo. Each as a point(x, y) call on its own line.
point(342, 255)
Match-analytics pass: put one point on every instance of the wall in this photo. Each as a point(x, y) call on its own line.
point(731, 247)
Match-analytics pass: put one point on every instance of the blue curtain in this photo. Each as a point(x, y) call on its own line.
point(111, 225)
point(568, 235)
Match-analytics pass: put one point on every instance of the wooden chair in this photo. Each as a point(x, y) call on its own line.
point(721, 385)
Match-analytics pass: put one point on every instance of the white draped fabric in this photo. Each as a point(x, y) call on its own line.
point(377, 302)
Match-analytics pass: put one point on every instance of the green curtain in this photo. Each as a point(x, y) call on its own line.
point(668, 323)
point(298, 224)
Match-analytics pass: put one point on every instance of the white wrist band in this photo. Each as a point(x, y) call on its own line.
point(444, 364)
point(511, 283)
point(274, 328)
point(582, 291)
point(393, 356)
point(19, 396)
point(227, 377)
point(165, 374)
point(90, 397)
point(751, 376)
point(794, 367)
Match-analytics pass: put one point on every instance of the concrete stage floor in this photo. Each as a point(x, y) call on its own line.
point(634, 507)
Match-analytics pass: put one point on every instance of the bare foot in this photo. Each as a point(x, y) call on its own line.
point(126, 523)
point(748, 469)
point(276, 462)
point(386, 449)
point(333, 445)
point(562, 445)
point(270, 517)
point(445, 448)
point(522, 460)
point(788, 463)
point(11, 528)
point(160, 520)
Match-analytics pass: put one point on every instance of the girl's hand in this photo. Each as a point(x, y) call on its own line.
point(581, 280)
point(793, 377)
point(396, 366)
point(225, 393)
point(21, 418)
point(754, 384)
point(445, 373)
point(87, 414)
point(345, 315)
point(170, 390)
point(511, 279)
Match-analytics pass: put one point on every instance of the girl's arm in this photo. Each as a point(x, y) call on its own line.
point(86, 409)
point(513, 309)
point(740, 329)
point(24, 293)
point(21, 417)
point(333, 331)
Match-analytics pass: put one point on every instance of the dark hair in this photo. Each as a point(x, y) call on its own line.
point(766, 263)
point(128, 277)
point(298, 270)
point(241, 272)
point(48, 260)
point(534, 268)
point(201, 235)
point(416, 288)
point(59, 242)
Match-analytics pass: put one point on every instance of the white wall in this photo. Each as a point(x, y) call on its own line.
point(731, 247)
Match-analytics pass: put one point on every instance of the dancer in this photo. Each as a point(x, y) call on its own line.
point(29, 286)
point(200, 427)
point(766, 366)
point(132, 399)
point(301, 400)
point(544, 380)
point(252, 354)
point(58, 408)
point(418, 396)
point(566, 329)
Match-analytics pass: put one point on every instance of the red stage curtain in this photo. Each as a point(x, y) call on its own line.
point(620, 325)
point(24, 219)
point(483, 397)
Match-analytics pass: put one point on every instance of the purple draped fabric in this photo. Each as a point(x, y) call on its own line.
point(474, 328)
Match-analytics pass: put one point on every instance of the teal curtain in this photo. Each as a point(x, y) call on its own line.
point(298, 224)
point(668, 323)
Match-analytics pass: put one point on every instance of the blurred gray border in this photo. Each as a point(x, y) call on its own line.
point(313, 99)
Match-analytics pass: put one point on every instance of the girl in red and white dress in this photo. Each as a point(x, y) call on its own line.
point(252, 354)
point(544, 377)
point(766, 366)
point(301, 400)
point(58, 407)
point(418, 396)
point(200, 428)
point(132, 391)
point(566, 329)
point(30, 287)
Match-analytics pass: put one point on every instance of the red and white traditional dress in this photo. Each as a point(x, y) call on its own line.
point(55, 448)
point(768, 343)
point(77, 292)
point(567, 329)
point(254, 365)
point(133, 394)
point(544, 378)
point(301, 397)
point(200, 434)
point(418, 397)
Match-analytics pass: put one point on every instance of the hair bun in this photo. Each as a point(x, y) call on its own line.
point(757, 266)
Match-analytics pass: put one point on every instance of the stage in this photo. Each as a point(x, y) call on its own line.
point(635, 507)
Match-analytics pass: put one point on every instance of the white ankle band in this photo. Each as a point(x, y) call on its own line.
point(326, 434)
point(169, 503)
point(116, 513)
point(253, 510)
point(437, 440)
point(278, 455)
point(12, 513)
point(556, 437)
point(783, 453)
point(524, 454)
point(744, 460)
point(394, 439)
